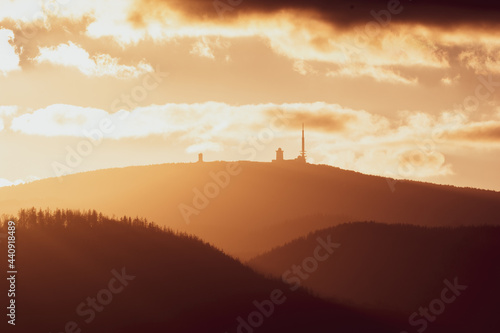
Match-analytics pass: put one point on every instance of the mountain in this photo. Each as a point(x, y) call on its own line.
point(398, 269)
point(84, 272)
point(230, 204)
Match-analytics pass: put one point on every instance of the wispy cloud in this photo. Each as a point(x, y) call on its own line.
point(58, 120)
point(351, 139)
point(72, 55)
point(9, 59)
point(379, 74)
point(6, 182)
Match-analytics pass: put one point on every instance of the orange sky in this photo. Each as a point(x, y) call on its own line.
point(398, 89)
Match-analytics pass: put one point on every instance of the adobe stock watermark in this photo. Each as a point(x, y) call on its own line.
point(373, 28)
point(89, 309)
point(210, 191)
point(11, 272)
point(223, 6)
point(93, 138)
point(294, 278)
point(250, 148)
point(483, 92)
point(48, 8)
point(220, 180)
point(425, 315)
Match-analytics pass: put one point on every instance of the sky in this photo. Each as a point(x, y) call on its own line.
point(402, 89)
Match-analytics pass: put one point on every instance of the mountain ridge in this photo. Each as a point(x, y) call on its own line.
point(260, 195)
point(402, 268)
point(87, 271)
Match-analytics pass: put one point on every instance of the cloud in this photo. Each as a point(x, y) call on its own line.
point(380, 74)
point(417, 163)
point(202, 48)
point(72, 55)
point(58, 120)
point(339, 13)
point(31, 35)
point(297, 38)
point(413, 145)
point(206, 47)
point(449, 81)
point(202, 121)
point(9, 59)
point(305, 38)
point(480, 132)
point(390, 161)
point(481, 60)
point(337, 121)
point(20, 9)
point(6, 112)
point(355, 52)
point(303, 68)
point(6, 182)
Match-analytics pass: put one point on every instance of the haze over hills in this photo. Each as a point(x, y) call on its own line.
point(89, 272)
point(402, 268)
point(227, 210)
point(107, 96)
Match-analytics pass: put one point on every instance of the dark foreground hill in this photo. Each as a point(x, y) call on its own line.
point(228, 206)
point(90, 273)
point(401, 268)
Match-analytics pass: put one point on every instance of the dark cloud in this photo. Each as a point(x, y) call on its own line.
point(489, 132)
point(445, 13)
point(323, 121)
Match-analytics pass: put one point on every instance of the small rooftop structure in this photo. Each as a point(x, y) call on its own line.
point(279, 155)
point(301, 158)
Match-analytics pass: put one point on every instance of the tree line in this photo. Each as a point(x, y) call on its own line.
point(68, 218)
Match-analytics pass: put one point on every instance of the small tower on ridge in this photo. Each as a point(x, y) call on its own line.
point(279, 155)
point(302, 157)
point(303, 152)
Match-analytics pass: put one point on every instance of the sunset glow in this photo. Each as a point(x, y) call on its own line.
point(381, 86)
